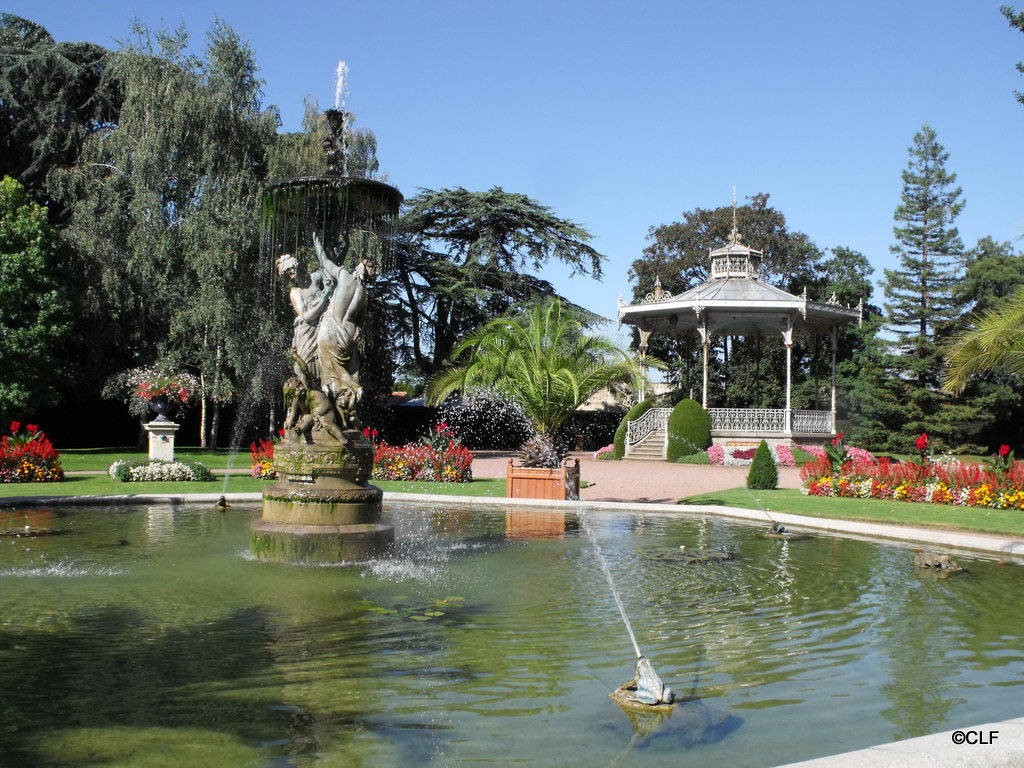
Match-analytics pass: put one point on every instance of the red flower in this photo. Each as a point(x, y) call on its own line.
point(15, 426)
point(838, 438)
point(922, 442)
point(280, 432)
point(31, 428)
point(374, 433)
point(1004, 450)
point(366, 431)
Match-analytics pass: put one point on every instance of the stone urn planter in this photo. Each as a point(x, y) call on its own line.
point(560, 483)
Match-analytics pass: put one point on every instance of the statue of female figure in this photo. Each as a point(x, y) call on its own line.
point(310, 296)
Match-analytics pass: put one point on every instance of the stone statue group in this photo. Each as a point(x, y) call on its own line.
point(330, 307)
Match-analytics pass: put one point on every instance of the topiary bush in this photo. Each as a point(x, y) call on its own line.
point(762, 475)
point(689, 430)
point(620, 434)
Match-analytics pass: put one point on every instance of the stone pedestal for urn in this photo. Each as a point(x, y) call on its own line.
point(161, 439)
point(322, 508)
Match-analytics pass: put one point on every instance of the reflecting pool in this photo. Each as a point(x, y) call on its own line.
point(147, 636)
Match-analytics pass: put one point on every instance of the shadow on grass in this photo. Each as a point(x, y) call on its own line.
point(706, 500)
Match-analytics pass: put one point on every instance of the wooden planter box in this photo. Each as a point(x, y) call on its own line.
point(536, 483)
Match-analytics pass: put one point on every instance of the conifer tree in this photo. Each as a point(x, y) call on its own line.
point(920, 307)
point(920, 293)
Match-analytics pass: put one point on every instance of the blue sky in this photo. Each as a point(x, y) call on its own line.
point(622, 115)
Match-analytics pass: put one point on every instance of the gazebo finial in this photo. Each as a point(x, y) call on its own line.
point(734, 236)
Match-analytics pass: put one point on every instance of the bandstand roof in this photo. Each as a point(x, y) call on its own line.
point(735, 301)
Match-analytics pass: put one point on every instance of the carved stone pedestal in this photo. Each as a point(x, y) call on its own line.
point(322, 509)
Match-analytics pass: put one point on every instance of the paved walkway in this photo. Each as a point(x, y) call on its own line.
point(642, 481)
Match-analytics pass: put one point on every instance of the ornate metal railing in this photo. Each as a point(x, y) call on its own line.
point(748, 419)
point(733, 266)
point(813, 422)
point(649, 421)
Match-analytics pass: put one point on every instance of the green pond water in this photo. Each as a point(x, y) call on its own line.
point(148, 636)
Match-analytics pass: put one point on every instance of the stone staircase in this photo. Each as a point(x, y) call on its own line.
point(651, 448)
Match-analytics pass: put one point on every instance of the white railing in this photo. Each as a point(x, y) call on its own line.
point(757, 420)
point(649, 421)
point(813, 422)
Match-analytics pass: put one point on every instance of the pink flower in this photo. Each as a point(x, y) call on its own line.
point(1004, 450)
point(922, 442)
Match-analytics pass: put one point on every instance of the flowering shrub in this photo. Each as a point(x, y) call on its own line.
point(261, 460)
point(998, 485)
point(438, 457)
point(139, 471)
point(605, 454)
point(28, 456)
point(717, 454)
point(784, 455)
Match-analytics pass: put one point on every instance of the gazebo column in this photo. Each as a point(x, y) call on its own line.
point(787, 338)
point(702, 331)
point(835, 345)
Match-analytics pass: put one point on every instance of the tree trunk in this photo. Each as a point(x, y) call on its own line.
point(202, 413)
point(215, 424)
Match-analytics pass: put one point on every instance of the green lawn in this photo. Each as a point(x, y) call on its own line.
point(1003, 521)
point(77, 459)
point(102, 485)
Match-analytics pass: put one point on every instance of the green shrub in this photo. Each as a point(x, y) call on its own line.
point(620, 434)
point(695, 458)
point(689, 430)
point(159, 470)
point(801, 457)
point(762, 475)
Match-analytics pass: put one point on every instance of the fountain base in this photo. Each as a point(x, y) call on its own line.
point(322, 510)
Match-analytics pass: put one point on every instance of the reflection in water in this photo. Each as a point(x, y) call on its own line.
point(474, 647)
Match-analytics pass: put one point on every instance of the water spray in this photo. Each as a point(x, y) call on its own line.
point(341, 85)
point(649, 687)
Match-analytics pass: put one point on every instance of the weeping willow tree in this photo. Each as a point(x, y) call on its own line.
point(542, 359)
point(994, 341)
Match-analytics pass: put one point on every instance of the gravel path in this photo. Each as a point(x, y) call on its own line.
point(642, 481)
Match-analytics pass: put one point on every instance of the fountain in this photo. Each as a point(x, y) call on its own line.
point(323, 509)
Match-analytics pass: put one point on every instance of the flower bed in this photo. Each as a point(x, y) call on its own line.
point(998, 484)
point(261, 460)
point(142, 471)
point(742, 457)
point(439, 457)
point(28, 456)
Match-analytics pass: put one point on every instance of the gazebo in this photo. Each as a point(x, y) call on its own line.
point(735, 301)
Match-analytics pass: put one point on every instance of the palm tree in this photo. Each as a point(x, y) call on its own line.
point(541, 359)
point(995, 340)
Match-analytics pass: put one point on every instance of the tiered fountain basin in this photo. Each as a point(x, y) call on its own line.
point(322, 509)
